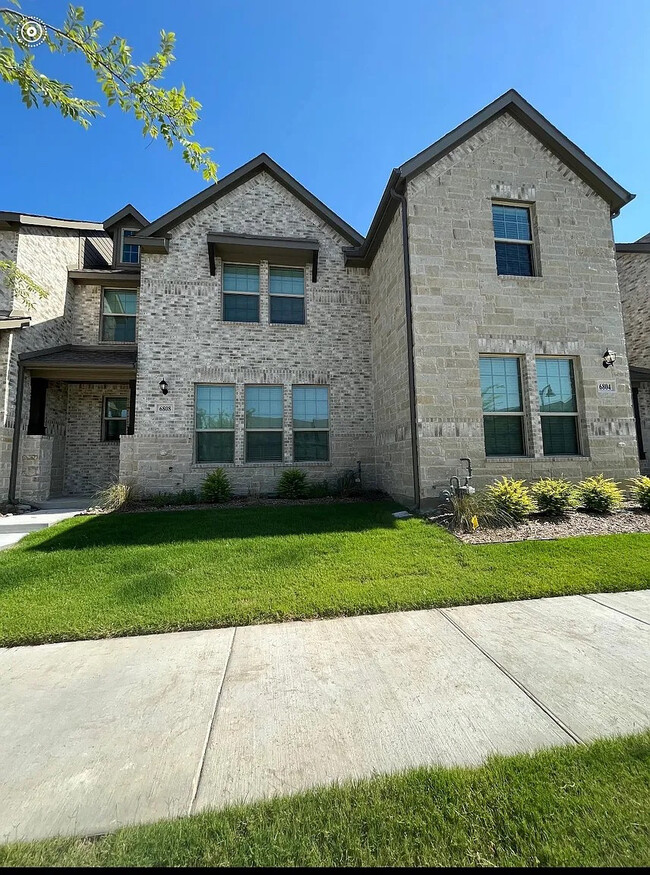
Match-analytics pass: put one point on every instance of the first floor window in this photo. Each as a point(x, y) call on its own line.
point(241, 293)
point(115, 418)
point(287, 295)
point(558, 406)
point(119, 308)
point(513, 240)
point(311, 423)
point(264, 422)
point(503, 413)
point(215, 423)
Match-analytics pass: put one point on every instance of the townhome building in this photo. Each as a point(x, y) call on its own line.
point(253, 329)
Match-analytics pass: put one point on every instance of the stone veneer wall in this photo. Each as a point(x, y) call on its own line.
point(390, 366)
point(462, 308)
point(634, 283)
point(183, 339)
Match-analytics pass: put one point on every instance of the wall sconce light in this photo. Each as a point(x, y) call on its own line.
point(609, 358)
point(163, 386)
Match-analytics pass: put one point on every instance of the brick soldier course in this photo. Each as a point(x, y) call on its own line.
point(394, 323)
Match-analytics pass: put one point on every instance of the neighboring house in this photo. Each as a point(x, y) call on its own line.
point(633, 261)
point(251, 328)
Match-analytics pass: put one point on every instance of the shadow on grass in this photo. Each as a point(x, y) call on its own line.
point(173, 527)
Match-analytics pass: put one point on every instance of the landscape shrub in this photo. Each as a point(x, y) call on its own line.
point(175, 499)
point(511, 497)
point(469, 512)
point(292, 484)
point(599, 494)
point(553, 496)
point(640, 489)
point(348, 484)
point(318, 489)
point(114, 496)
point(216, 486)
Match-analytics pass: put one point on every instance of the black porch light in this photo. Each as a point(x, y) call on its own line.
point(609, 357)
point(163, 386)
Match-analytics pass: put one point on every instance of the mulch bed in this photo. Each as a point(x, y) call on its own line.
point(574, 523)
point(240, 501)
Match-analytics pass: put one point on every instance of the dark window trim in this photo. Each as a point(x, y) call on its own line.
point(575, 414)
point(198, 431)
point(521, 413)
point(123, 419)
point(257, 294)
point(534, 262)
point(126, 315)
point(120, 236)
point(327, 430)
point(263, 430)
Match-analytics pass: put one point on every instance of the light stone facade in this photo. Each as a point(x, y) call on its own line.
point(355, 337)
point(462, 308)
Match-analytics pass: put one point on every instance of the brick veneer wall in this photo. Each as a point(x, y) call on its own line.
point(183, 339)
point(462, 308)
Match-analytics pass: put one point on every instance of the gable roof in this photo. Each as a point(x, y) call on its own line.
point(263, 162)
point(513, 104)
point(127, 212)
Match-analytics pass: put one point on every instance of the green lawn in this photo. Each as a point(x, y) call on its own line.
point(580, 806)
point(125, 574)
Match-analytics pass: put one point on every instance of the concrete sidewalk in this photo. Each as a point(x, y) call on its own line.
point(98, 734)
point(13, 528)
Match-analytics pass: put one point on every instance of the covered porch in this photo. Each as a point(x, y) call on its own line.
point(73, 405)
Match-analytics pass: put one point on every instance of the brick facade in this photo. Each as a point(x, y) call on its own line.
point(355, 337)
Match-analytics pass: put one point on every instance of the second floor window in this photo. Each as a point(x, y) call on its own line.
point(119, 308)
point(241, 293)
point(287, 295)
point(503, 412)
point(130, 254)
point(513, 240)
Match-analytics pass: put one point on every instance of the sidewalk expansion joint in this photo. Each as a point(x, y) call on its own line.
point(549, 713)
point(199, 771)
point(592, 598)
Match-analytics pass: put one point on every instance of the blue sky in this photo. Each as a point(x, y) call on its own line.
point(338, 92)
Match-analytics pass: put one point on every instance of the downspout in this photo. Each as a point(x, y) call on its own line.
point(15, 446)
point(415, 452)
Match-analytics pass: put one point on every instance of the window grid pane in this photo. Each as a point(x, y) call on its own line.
point(511, 223)
point(215, 407)
point(241, 278)
point(556, 386)
point(130, 252)
point(286, 281)
point(311, 446)
point(263, 407)
point(215, 446)
point(500, 384)
point(310, 407)
point(116, 415)
point(120, 303)
point(118, 329)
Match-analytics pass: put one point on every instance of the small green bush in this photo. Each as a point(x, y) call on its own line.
point(640, 489)
point(511, 497)
point(599, 494)
point(468, 509)
point(175, 499)
point(292, 484)
point(553, 496)
point(348, 484)
point(216, 486)
point(318, 489)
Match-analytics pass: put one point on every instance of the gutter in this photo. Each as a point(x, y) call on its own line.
point(415, 451)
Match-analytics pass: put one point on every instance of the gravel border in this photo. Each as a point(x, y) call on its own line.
point(575, 524)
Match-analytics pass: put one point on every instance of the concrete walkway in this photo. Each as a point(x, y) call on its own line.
point(98, 734)
point(14, 528)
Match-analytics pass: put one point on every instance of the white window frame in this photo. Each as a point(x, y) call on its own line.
point(225, 291)
point(574, 413)
point(197, 431)
point(530, 243)
point(302, 297)
point(133, 316)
